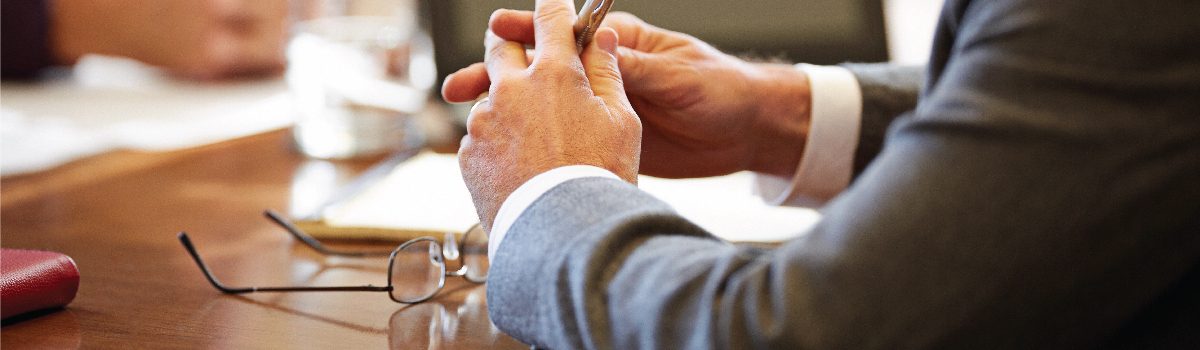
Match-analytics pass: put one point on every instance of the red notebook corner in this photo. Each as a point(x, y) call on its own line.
point(32, 280)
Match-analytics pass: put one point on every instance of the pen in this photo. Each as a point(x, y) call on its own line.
point(590, 16)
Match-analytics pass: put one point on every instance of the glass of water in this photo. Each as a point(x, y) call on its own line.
point(359, 72)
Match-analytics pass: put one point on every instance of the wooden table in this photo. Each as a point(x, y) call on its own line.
point(118, 214)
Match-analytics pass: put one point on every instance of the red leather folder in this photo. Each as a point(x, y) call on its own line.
point(32, 280)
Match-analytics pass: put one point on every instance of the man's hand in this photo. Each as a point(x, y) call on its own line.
point(554, 109)
point(704, 112)
point(202, 39)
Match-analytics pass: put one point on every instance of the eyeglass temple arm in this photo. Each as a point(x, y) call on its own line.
point(313, 242)
point(187, 244)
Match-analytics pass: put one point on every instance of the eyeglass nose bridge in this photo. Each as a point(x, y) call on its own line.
point(451, 252)
point(450, 246)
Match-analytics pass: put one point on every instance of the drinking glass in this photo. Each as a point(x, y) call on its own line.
point(358, 73)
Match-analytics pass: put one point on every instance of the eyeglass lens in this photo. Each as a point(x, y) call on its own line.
point(418, 270)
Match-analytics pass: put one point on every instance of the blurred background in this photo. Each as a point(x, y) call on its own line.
point(813, 31)
point(123, 122)
point(810, 31)
point(353, 78)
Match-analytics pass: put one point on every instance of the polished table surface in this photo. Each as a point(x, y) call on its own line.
point(117, 216)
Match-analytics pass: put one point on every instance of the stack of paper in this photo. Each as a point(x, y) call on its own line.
point(114, 103)
point(425, 195)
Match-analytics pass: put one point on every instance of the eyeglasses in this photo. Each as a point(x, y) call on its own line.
point(416, 269)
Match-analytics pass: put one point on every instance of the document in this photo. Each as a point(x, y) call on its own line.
point(110, 103)
point(425, 195)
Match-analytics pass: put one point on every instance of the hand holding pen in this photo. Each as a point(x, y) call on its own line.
point(472, 83)
point(591, 15)
point(549, 108)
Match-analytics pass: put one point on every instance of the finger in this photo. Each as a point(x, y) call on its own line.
point(552, 24)
point(466, 84)
point(634, 32)
point(481, 102)
point(643, 72)
point(513, 25)
point(600, 64)
point(474, 125)
point(639, 35)
point(503, 56)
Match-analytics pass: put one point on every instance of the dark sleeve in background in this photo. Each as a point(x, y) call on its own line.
point(24, 38)
point(888, 91)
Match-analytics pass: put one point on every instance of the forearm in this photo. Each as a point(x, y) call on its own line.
point(597, 263)
point(834, 101)
point(1028, 203)
point(990, 221)
point(782, 122)
point(549, 277)
point(786, 112)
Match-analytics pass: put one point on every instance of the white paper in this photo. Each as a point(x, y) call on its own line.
point(111, 103)
point(427, 193)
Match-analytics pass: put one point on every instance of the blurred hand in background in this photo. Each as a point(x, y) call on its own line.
point(199, 39)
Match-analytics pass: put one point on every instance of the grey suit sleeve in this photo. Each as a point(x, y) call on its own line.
point(888, 91)
point(1042, 195)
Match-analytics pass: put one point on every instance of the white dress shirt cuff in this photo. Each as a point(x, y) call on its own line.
point(530, 191)
point(826, 165)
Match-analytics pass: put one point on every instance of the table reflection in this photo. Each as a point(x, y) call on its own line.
point(456, 318)
point(461, 322)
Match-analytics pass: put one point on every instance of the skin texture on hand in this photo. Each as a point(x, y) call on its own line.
point(551, 108)
point(200, 39)
point(704, 113)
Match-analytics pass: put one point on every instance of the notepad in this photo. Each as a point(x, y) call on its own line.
point(425, 195)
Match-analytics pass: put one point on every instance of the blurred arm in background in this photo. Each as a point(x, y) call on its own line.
point(206, 39)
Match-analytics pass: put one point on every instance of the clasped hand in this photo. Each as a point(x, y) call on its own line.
point(553, 108)
point(702, 112)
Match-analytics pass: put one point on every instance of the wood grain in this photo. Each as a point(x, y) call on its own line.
point(118, 214)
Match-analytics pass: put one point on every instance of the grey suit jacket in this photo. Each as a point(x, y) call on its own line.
point(1044, 193)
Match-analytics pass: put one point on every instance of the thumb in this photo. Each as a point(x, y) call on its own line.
point(600, 63)
point(645, 73)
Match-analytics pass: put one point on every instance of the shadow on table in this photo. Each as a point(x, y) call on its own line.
point(455, 318)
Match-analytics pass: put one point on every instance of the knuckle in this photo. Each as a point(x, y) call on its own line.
point(496, 51)
point(475, 126)
point(685, 96)
point(607, 73)
point(686, 89)
point(551, 11)
point(697, 44)
point(464, 148)
point(629, 121)
point(553, 68)
point(479, 119)
point(504, 86)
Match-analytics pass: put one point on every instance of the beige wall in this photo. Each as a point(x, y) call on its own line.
point(807, 30)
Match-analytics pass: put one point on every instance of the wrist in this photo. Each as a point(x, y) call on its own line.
point(782, 118)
